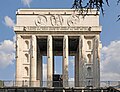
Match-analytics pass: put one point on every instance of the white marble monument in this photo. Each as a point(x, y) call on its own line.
point(57, 32)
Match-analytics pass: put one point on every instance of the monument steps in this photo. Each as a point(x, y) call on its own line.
point(57, 89)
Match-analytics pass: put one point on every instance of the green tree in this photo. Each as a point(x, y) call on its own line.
point(1, 83)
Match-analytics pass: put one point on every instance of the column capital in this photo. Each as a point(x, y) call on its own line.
point(97, 37)
point(33, 36)
point(18, 37)
point(49, 36)
point(65, 36)
point(81, 36)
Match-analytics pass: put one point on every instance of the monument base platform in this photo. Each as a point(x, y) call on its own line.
point(56, 89)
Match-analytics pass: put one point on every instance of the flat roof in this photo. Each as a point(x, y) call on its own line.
point(61, 11)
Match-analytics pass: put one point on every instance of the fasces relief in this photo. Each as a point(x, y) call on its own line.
point(57, 20)
point(73, 20)
point(41, 20)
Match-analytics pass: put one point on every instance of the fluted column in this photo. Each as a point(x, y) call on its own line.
point(34, 61)
point(65, 61)
point(49, 61)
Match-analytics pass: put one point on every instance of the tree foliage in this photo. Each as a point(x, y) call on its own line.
point(91, 4)
point(118, 1)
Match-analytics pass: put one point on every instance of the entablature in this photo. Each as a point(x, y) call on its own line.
point(58, 28)
point(58, 11)
point(57, 17)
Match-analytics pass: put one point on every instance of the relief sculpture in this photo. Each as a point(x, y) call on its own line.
point(56, 20)
point(73, 20)
point(41, 20)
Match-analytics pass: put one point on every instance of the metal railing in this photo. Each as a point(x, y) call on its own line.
point(115, 84)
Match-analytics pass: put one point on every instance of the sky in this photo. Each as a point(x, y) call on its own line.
point(110, 37)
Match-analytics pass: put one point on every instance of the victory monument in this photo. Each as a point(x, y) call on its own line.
point(57, 32)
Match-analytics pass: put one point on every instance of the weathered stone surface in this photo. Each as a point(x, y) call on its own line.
point(78, 35)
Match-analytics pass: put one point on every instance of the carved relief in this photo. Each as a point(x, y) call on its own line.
point(41, 20)
point(73, 20)
point(56, 20)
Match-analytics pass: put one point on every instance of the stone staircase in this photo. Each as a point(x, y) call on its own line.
point(57, 89)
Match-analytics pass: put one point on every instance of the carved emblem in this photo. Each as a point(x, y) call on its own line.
point(73, 20)
point(56, 20)
point(41, 20)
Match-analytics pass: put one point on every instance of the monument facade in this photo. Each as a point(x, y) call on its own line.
point(57, 32)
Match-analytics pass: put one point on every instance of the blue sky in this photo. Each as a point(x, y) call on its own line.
point(110, 35)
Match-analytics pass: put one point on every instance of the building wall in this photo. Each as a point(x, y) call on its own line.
point(32, 23)
point(27, 17)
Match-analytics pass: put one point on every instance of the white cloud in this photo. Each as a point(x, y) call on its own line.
point(14, 38)
point(110, 62)
point(9, 22)
point(26, 2)
point(7, 53)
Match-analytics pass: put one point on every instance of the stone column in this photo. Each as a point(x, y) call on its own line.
point(77, 69)
point(39, 68)
point(81, 61)
point(96, 62)
point(34, 62)
point(49, 61)
point(18, 61)
point(53, 64)
point(65, 61)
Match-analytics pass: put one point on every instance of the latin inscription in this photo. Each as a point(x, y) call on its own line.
point(34, 28)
